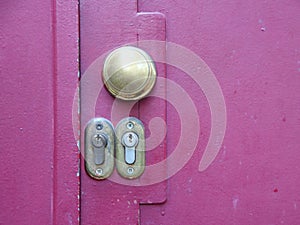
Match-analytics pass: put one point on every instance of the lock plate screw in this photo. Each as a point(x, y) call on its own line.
point(130, 170)
point(130, 125)
point(99, 171)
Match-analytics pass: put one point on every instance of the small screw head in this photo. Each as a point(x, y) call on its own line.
point(99, 171)
point(130, 170)
point(99, 126)
point(130, 125)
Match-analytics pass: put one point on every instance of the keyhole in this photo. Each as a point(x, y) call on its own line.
point(130, 138)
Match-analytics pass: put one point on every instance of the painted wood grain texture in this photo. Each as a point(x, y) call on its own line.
point(39, 157)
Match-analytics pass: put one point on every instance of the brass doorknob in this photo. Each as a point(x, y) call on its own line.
point(129, 73)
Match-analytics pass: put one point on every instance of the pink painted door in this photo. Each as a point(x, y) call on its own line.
point(222, 122)
point(38, 152)
point(232, 71)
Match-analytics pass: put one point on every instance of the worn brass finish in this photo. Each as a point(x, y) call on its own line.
point(135, 169)
point(99, 136)
point(129, 73)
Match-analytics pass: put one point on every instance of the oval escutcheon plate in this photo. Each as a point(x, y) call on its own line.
point(99, 148)
point(130, 148)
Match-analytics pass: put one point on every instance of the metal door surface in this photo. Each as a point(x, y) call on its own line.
point(222, 122)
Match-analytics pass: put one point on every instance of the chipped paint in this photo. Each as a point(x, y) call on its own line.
point(235, 201)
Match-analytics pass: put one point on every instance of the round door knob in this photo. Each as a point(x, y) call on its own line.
point(129, 73)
